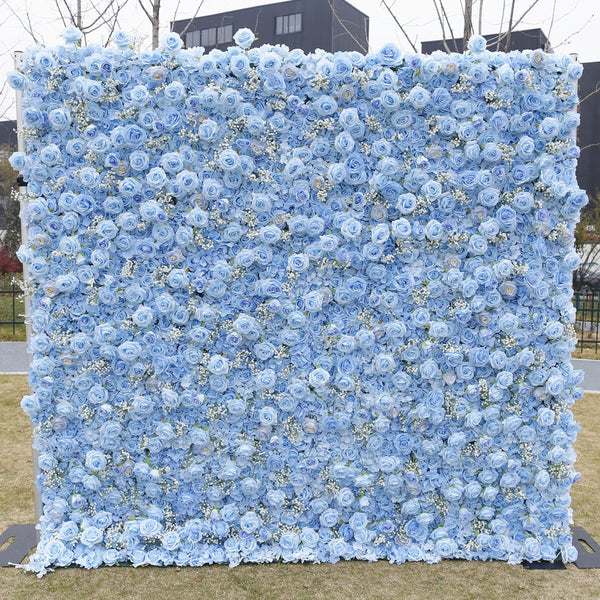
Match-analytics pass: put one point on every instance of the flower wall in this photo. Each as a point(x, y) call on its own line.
point(300, 307)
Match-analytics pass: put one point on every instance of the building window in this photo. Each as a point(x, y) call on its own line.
point(192, 39)
point(288, 24)
point(209, 37)
point(224, 34)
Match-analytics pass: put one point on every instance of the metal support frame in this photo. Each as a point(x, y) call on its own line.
point(27, 302)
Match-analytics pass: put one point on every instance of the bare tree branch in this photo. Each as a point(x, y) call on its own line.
point(510, 26)
point(501, 25)
point(589, 145)
point(62, 17)
point(89, 18)
point(145, 11)
point(516, 23)
point(69, 11)
point(257, 18)
point(185, 29)
point(531, 6)
point(439, 16)
point(551, 20)
point(114, 21)
point(344, 26)
point(399, 25)
point(154, 19)
point(28, 27)
point(575, 32)
point(596, 90)
point(453, 37)
point(468, 22)
point(155, 22)
point(176, 10)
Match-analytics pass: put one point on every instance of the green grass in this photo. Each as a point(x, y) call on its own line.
point(587, 353)
point(10, 334)
point(459, 580)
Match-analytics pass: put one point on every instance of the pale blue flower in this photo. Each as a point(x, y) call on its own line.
point(316, 284)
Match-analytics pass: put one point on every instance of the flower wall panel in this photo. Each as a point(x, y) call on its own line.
point(300, 307)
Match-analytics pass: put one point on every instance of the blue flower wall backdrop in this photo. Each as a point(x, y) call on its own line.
point(300, 307)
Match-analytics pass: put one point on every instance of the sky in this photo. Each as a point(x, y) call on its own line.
point(571, 25)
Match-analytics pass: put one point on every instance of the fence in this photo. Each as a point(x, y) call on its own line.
point(12, 309)
point(587, 303)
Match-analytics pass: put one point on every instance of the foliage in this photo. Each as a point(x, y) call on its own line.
point(10, 238)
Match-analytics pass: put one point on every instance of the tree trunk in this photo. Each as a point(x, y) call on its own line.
point(468, 22)
point(155, 22)
point(510, 26)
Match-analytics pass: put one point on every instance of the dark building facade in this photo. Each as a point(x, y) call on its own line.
point(331, 25)
point(588, 133)
point(8, 134)
point(526, 39)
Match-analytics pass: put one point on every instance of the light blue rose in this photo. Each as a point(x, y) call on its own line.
point(244, 38)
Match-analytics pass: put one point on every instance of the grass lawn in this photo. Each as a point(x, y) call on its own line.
point(8, 333)
point(456, 580)
point(586, 353)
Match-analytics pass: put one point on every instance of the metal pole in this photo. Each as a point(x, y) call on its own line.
point(27, 300)
point(14, 320)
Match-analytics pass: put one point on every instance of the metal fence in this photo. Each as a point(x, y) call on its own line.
point(587, 303)
point(11, 306)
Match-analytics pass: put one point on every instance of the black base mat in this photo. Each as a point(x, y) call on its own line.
point(585, 558)
point(25, 540)
point(545, 565)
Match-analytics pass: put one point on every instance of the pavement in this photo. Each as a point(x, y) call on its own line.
point(13, 359)
point(591, 368)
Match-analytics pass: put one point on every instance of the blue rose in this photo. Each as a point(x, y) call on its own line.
point(477, 43)
point(390, 54)
point(244, 38)
point(91, 536)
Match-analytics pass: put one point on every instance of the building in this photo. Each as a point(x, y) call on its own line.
point(527, 39)
point(330, 25)
point(588, 133)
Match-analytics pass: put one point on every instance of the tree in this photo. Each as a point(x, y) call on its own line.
point(505, 29)
point(191, 21)
point(10, 224)
point(89, 17)
point(153, 13)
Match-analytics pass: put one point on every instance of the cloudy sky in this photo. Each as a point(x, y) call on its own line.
point(571, 25)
